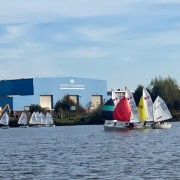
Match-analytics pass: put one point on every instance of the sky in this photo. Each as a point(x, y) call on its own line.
point(126, 42)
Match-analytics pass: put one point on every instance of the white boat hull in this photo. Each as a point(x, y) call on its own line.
point(5, 127)
point(148, 125)
point(23, 126)
point(114, 125)
point(161, 126)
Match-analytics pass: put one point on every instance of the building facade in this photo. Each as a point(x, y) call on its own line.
point(22, 93)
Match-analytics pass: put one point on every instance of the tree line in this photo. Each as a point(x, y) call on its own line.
point(167, 88)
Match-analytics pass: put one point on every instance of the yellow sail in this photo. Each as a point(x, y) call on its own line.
point(141, 110)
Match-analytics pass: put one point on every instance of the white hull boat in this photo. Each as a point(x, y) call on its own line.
point(5, 121)
point(23, 120)
point(114, 125)
point(5, 127)
point(122, 115)
point(161, 126)
point(23, 126)
point(161, 114)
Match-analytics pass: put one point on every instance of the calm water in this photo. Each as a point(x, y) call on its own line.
point(89, 152)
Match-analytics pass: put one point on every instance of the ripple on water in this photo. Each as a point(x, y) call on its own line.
point(89, 152)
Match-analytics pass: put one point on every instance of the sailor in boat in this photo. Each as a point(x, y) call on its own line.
point(130, 125)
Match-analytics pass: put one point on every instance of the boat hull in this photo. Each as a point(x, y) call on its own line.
point(5, 127)
point(161, 126)
point(23, 126)
point(114, 125)
point(148, 125)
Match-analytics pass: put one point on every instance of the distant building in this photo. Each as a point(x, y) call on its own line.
point(119, 92)
point(21, 93)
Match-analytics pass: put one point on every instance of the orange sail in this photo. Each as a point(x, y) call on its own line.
point(122, 111)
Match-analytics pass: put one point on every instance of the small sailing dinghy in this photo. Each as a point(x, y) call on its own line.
point(23, 120)
point(124, 115)
point(38, 119)
point(49, 120)
point(161, 114)
point(134, 119)
point(145, 109)
point(4, 122)
point(107, 112)
point(43, 119)
point(33, 120)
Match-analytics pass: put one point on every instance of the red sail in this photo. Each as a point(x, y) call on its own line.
point(122, 111)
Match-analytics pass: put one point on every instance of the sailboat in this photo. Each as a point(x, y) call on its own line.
point(38, 119)
point(23, 120)
point(107, 112)
point(161, 114)
point(145, 109)
point(125, 115)
point(4, 122)
point(115, 98)
point(49, 120)
point(33, 120)
point(134, 119)
point(43, 119)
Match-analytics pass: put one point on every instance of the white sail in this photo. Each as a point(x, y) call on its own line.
point(161, 111)
point(38, 117)
point(49, 119)
point(43, 118)
point(114, 97)
point(148, 105)
point(5, 119)
point(23, 119)
point(33, 119)
point(133, 107)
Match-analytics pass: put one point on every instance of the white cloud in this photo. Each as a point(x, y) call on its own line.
point(19, 11)
point(92, 33)
point(85, 52)
point(127, 31)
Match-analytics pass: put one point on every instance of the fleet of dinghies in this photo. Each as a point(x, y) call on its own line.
point(37, 120)
point(121, 113)
point(40, 120)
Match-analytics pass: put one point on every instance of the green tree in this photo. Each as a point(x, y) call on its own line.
point(36, 107)
point(138, 93)
point(65, 103)
point(168, 89)
point(96, 115)
point(63, 106)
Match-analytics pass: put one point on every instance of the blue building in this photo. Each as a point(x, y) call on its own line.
point(21, 93)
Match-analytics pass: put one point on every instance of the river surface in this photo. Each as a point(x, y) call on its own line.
point(89, 152)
